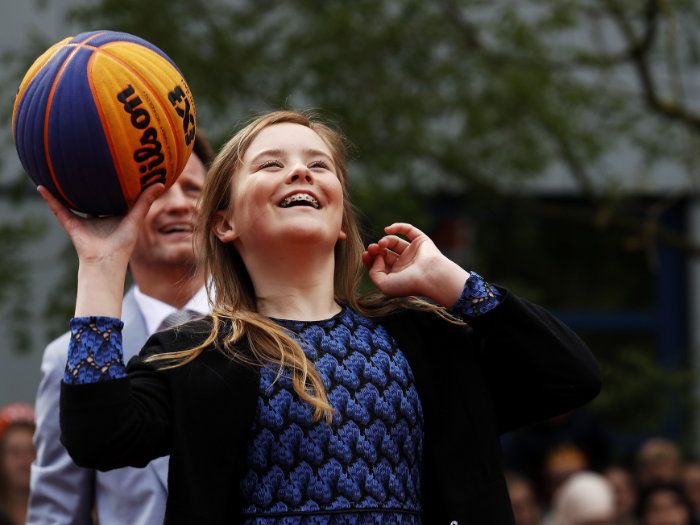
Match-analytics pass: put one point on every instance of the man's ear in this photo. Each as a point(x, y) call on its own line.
point(223, 227)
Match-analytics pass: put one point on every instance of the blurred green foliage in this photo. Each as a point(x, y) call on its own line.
point(644, 393)
point(14, 280)
point(446, 95)
point(471, 99)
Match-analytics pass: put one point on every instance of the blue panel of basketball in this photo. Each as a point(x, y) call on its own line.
point(73, 119)
point(29, 128)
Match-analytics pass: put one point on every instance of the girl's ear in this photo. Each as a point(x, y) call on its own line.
point(223, 227)
point(342, 235)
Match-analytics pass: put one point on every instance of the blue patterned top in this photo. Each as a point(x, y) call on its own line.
point(362, 469)
point(366, 464)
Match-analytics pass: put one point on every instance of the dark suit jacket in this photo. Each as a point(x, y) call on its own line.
point(514, 365)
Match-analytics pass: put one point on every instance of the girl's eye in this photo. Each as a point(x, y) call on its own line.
point(270, 164)
point(319, 164)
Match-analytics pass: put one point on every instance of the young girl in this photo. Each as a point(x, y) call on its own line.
point(297, 401)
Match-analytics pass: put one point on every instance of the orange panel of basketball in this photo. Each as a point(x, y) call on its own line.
point(101, 116)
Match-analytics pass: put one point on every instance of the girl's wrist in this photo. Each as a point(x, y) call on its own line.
point(100, 290)
point(445, 282)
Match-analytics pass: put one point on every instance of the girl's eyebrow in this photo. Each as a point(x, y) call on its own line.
point(318, 153)
point(268, 153)
point(282, 153)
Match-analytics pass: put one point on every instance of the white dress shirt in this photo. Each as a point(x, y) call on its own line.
point(154, 311)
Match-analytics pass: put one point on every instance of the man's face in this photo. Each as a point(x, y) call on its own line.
point(166, 234)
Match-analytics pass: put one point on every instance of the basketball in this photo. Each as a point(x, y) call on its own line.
point(100, 117)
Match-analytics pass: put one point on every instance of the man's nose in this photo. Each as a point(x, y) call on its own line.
point(175, 197)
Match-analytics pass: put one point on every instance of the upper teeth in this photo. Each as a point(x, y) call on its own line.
point(178, 229)
point(300, 197)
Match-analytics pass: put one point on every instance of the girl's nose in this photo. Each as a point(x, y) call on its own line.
point(300, 173)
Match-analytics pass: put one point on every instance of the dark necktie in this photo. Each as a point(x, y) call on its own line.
point(176, 318)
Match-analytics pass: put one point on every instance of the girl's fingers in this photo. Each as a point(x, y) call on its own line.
point(394, 243)
point(410, 231)
point(143, 203)
point(390, 258)
point(378, 270)
point(375, 251)
point(62, 213)
point(137, 213)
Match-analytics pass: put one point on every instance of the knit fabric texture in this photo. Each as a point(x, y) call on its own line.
point(364, 468)
point(478, 297)
point(95, 350)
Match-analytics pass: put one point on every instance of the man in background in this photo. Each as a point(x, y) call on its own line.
point(165, 292)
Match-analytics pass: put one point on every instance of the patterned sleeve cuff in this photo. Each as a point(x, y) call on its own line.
point(95, 350)
point(478, 297)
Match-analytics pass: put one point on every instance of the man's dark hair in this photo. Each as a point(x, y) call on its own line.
point(203, 149)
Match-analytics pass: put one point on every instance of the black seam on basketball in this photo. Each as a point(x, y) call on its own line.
point(107, 132)
point(171, 122)
point(163, 55)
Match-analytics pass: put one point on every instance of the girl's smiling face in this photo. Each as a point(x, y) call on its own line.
point(286, 189)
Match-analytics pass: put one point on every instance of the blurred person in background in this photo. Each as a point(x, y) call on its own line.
point(526, 506)
point(658, 461)
point(165, 293)
point(559, 464)
point(665, 504)
point(16, 456)
point(585, 498)
point(626, 494)
point(690, 477)
point(550, 451)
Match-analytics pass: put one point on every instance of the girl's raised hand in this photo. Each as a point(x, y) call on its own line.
point(400, 267)
point(104, 246)
point(103, 240)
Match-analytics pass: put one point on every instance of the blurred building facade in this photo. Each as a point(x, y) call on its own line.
point(655, 317)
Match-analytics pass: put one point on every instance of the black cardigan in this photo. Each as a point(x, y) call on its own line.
point(513, 366)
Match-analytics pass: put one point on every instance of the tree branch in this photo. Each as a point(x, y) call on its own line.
point(638, 52)
point(467, 30)
point(573, 163)
point(646, 231)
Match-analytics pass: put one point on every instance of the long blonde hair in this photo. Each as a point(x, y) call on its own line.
point(231, 290)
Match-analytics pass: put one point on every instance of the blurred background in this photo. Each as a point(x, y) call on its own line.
point(552, 145)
